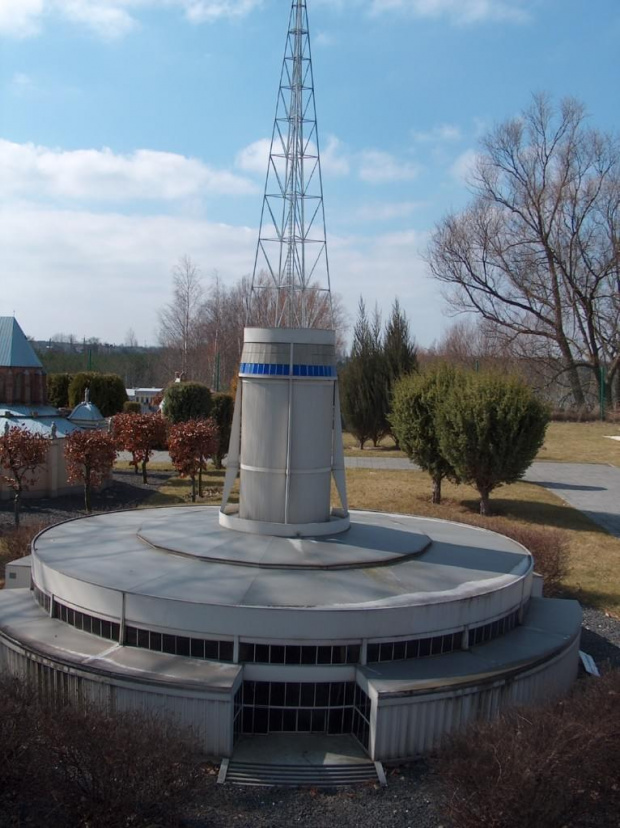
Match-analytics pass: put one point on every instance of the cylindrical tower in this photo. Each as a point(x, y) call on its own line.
point(286, 441)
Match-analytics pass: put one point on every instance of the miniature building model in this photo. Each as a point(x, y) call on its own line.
point(283, 615)
point(23, 404)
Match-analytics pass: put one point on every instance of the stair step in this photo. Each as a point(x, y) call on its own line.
point(257, 775)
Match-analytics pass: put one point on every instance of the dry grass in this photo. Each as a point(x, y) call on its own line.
point(179, 490)
point(581, 443)
point(386, 448)
point(594, 574)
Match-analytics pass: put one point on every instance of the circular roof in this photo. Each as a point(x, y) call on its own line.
point(86, 412)
point(177, 568)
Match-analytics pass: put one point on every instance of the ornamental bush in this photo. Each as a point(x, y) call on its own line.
point(106, 391)
point(553, 766)
point(23, 454)
point(58, 389)
point(185, 401)
point(90, 456)
point(65, 766)
point(140, 434)
point(490, 428)
point(222, 411)
point(190, 445)
point(413, 418)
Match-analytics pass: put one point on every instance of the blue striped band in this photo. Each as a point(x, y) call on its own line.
point(278, 370)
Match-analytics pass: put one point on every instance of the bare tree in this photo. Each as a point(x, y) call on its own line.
point(537, 252)
point(179, 321)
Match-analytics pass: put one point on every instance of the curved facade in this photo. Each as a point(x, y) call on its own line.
point(397, 631)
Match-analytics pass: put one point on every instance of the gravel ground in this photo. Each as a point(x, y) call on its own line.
point(411, 800)
point(125, 492)
point(412, 797)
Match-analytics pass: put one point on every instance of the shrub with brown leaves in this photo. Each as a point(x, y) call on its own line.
point(17, 541)
point(549, 766)
point(64, 766)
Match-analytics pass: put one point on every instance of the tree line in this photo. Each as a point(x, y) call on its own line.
point(479, 427)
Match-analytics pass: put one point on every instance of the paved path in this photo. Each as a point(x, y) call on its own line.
point(593, 488)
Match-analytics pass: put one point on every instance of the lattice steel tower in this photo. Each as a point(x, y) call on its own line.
point(290, 281)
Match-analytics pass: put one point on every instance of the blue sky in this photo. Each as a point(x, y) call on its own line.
point(133, 132)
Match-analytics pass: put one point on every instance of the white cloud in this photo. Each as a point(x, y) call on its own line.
point(20, 18)
point(97, 274)
point(29, 170)
point(458, 11)
point(200, 11)
point(333, 159)
point(438, 134)
point(107, 18)
point(255, 156)
point(110, 19)
point(377, 167)
point(464, 165)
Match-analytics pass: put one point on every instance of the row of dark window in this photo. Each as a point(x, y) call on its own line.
point(440, 644)
point(300, 707)
point(87, 623)
point(301, 720)
point(218, 650)
point(298, 694)
point(182, 645)
point(293, 654)
point(42, 598)
point(414, 648)
point(479, 635)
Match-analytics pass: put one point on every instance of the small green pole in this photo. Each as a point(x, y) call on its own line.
point(602, 389)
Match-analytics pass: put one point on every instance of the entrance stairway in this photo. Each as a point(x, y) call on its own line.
point(300, 776)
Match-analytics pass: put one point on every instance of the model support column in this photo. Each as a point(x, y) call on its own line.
point(286, 440)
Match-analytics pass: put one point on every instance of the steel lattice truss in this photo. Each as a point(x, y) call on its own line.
point(290, 282)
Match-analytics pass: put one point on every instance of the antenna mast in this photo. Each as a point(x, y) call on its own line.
point(290, 281)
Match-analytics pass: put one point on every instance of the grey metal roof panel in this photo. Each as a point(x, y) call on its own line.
point(15, 350)
point(39, 425)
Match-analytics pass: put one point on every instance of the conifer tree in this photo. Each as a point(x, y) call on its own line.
point(364, 387)
point(414, 420)
point(490, 429)
point(399, 352)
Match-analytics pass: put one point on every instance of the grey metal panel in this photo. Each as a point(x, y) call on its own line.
point(313, 414)
point(210, 720)
point(319, 336)
point(264, 426)
point(262, 496)
point(309, 497)
point(417, 725)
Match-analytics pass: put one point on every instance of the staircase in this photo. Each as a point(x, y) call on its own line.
point(300, 776)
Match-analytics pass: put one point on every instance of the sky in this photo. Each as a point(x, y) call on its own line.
point(134, 132)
